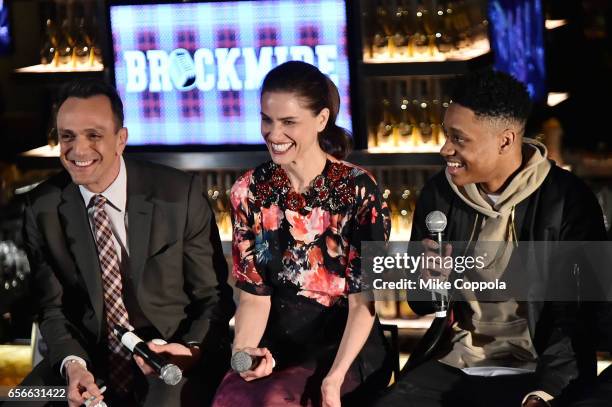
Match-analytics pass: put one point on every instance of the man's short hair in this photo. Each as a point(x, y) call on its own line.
point(86, 88)
point(493, 94)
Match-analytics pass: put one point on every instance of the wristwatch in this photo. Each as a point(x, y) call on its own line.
point(537, 398)
point(193, 345)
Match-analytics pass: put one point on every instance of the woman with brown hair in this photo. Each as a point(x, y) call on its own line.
point(299, 221)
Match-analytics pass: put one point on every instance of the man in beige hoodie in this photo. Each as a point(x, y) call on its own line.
point(498, 187)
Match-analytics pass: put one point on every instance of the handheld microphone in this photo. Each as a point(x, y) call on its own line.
point(436, 223)
point(168, 372)
point(242, 361)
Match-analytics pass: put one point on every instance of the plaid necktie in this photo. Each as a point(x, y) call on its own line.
point(120, 369)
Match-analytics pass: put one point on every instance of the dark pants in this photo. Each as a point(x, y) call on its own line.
point(434, 384)
point(197, 387)
point(598, 396)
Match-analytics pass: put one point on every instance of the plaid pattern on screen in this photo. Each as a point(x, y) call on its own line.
point(309, 35)
point(222, 106)
point(150, 102)
point(267, 37)
point(231, 102)
point(190, 101)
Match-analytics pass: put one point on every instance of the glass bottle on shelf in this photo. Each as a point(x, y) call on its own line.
point(82, 44)
point(401, 38)
point(48, 49)
point(96, 49)
point(384, 131)
point(436, 120)
point(225, 223)
point(405, 126)
point(443, 29)
point(420, 42)
point(405, 206)
point(386, 308)
point(369, 19)
point(429, 21)
point(386, 187)
point(424, 109)
point(408, 22)
point(461, 23)
point(214, 194)
point(382, 32)
point(65, 43)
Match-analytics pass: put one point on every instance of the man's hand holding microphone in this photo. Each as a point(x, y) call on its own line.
point(436, 251)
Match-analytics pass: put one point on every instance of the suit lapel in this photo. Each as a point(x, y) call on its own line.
point(73, 215)
point(140, 213)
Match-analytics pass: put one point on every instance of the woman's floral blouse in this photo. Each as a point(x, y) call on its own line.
point(309, 242)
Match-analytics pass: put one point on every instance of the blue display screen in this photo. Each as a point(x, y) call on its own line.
point(517, 39)
point(5, 29)
point(190, 73)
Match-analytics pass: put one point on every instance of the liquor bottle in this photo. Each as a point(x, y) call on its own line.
point(384, 131)
point(225, 224)
point(48, 49)
point(387, 307)
point(400, 37)
point(214, 194)
point(420, 42)
point(388, 196)
point(424, 115)
point(405, 207)
point(405, 126)
point(408, 22)
point(478, 22)
point(96, 49)
point(382, 32)
point(461, 24)
point(82, 43)
point(443, 27)
point(405, 312)
point(65, 43)
point(368, 18)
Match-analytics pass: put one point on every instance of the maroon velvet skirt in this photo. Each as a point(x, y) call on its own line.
point(293, 386)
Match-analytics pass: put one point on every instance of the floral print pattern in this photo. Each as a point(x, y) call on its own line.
point(310, 242)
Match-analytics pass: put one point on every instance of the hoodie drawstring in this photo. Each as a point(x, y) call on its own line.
point(512, 236)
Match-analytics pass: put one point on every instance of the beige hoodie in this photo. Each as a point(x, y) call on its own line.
point(495, 334)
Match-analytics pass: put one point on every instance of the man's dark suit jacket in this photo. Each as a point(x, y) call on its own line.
point(176, 263)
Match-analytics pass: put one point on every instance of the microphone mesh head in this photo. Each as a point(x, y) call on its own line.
point(241, 362)
point(435, 222)
point(171, 374)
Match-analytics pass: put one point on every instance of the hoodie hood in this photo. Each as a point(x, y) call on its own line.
point(529, 179)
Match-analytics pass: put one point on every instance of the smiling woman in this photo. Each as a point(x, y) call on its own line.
point(299, 221)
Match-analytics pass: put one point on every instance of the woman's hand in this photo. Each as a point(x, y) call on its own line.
point(330, 391)
point(263, 368)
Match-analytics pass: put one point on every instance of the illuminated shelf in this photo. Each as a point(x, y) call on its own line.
point(45, 69)
point(477, 49)
point(62, 72)
point(554, 98)
point(420, 149)
point(552, 24)
point(447, 67)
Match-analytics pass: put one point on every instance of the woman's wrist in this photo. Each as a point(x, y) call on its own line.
point(335, 375)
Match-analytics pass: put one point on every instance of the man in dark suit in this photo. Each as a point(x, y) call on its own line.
point(117, 241)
